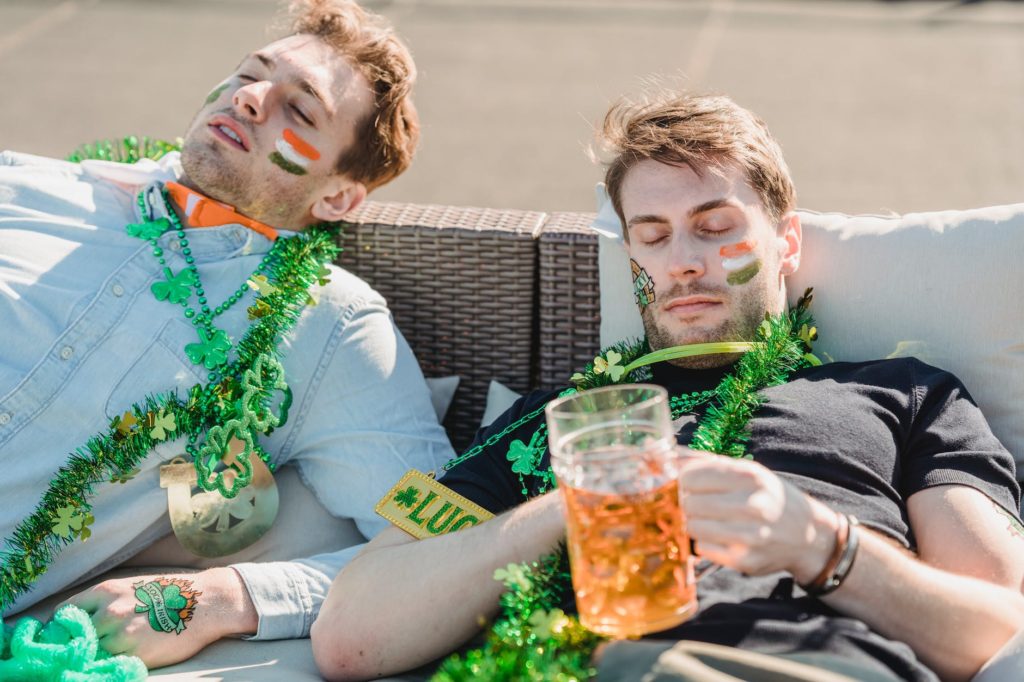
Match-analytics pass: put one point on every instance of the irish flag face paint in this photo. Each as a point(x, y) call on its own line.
point(293, 153)
point(740, 261)
point(213, 96)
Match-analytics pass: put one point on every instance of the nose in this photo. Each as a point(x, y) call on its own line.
point(686, 260)
point(250, 101)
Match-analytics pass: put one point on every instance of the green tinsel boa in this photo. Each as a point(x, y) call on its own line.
point(66, 649)
point(532, 639)
point(238, 406)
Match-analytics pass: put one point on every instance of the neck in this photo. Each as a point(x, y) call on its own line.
point(196, 209)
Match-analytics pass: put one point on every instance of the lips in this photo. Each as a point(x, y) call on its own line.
point(229, 131)
point(691, 305)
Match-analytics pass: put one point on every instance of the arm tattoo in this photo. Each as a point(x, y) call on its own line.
point(170, 603)
point(1014, 525)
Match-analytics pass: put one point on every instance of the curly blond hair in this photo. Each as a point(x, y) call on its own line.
point(386, 140)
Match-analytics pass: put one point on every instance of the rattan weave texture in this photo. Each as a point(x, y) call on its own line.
point(482, 293)
point(569, 297)
point(461, 284)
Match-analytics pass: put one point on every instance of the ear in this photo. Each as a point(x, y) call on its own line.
point(790, 239)
point(339, 197)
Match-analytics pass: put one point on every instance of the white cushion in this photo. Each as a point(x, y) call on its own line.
point(442, 390)
point(944, 287)
point(499, 398)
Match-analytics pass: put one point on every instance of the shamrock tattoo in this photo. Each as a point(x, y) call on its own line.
point(212, 349)
point(643, 285)
point(175, 288)
point(408, 497)
point(170, 603)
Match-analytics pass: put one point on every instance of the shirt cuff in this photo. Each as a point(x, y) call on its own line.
point(282, 600)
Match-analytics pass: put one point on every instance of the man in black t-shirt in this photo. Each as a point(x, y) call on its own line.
point(931, 588)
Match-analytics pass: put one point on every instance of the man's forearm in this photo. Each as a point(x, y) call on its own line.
point(954, 623)
point(397, 607)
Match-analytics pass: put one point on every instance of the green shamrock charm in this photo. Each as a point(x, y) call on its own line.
point(610, 364)
point(513, 575)
point(150, 229)
point(175, 288)
point(164, 423)
point(123, 477)
point(260, 284)
point(238, 470)
point(548, 623)
point(259, 309)
point(259, 383)
point(323, 276)
point(212, 349)
point(408, 497)
point(70, 521)
point(522, 455)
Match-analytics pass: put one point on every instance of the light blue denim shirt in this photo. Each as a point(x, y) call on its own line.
point(82, 338)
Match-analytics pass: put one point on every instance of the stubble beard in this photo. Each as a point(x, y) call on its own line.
point(748, 310)
point(209, 171)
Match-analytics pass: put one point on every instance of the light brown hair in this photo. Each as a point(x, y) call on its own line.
point(703, 132)
point(386, 140)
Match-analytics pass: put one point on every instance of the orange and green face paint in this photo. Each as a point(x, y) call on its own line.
point(643, 286)
point(215, 95)
point(740, 261)
point(293, 154)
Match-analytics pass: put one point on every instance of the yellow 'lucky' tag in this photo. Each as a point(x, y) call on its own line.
point(422, 507)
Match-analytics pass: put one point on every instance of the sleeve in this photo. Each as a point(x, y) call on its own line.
point(950, 442)
point(367, 420)
point(482, 473)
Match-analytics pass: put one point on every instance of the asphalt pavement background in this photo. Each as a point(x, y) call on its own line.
point(902, 106)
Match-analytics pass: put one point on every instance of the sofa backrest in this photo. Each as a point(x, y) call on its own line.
point(484, 294)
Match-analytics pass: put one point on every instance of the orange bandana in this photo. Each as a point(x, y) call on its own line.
point(201, 211)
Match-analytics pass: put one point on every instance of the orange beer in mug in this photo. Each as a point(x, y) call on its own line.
point(614, 453)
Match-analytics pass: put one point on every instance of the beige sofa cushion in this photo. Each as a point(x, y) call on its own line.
point(944, 287)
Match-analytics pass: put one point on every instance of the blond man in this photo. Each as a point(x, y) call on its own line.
point(109, 273)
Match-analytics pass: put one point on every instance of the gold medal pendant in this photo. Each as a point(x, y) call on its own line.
point(209, 524)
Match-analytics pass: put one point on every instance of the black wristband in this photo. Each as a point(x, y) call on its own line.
point(845, 563)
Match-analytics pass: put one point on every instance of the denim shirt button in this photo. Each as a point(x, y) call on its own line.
point(5, 418)
point(117, 290)
point(66, 352)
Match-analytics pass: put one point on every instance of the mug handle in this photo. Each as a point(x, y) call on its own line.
point(703, 567)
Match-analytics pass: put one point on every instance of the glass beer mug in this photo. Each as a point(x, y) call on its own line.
point(613, 450)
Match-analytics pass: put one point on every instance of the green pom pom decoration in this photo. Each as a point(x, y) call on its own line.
point(66, 649)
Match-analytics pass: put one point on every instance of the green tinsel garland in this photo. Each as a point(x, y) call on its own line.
point(532, 640)
point(66, 649)
point(125, 150)
point(64, 512)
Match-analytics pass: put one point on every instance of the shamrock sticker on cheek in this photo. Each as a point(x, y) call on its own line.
point(643, 285)
point(170, 603)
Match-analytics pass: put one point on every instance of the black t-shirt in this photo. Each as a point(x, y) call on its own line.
point(860, 437)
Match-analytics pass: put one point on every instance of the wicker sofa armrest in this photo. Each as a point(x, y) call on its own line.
point(482, 293)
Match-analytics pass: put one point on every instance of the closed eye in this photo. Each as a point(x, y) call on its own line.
point(244, 77)
point(302, 116)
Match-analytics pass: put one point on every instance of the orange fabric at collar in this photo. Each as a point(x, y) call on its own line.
point(202, 211)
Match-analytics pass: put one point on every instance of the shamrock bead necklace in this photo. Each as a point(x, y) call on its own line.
point(177, 289)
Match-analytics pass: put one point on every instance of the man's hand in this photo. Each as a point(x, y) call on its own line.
point(167, 618)
point(743, 516)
